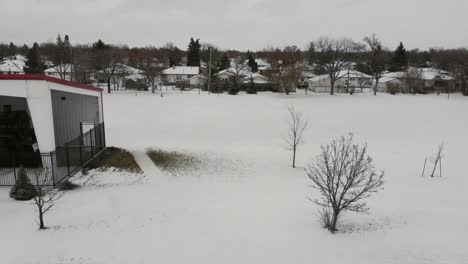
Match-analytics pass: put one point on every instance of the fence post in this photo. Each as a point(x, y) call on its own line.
point(103, 129)
point(91, 141)
point(14, 165)
point(81, 151)
point(68, 161)
point(51, 155)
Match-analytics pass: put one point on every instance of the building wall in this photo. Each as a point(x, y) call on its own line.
point(69, 110)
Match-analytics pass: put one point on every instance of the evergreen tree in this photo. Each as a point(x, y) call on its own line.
point(63, 52)
point(193, 53)
point(34, 64)
point(11, 50)
point(251, 89)
point(225, 63)
point(400, 59)
point(252, 63)
point(23, 190)
point(68, 49)
point(24, 50)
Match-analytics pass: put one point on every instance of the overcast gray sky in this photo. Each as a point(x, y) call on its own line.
point(236, 24)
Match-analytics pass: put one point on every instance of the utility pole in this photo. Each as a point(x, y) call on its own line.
point(209, 71)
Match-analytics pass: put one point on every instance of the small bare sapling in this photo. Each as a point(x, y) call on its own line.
point(296, 127)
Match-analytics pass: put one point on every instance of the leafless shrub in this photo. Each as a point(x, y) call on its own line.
point(345, 177)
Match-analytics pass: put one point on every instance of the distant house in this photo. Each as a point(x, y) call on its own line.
point(385, 83)
point(432, 79)
point(176, 74)
point(12, 66)
point(124, 77)
point(197, 81)
point(63, 71)
point(263, 66)
point(233, 72)
point(346, 79)
point(262, 83)
point(135, 81)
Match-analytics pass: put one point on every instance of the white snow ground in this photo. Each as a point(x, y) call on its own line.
point(245, 204)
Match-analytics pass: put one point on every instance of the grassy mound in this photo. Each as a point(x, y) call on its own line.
point(113, 157)
point(173, 161)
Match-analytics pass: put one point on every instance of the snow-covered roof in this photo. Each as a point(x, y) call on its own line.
point(182, 70)
point(197, 77)
point(257, 78)
point(60, 68)
point(232, 71)
point(13, 66)
point(427, 74)
point(125, 69)
point(342, 74)
point(387, 79)
point(135, 77)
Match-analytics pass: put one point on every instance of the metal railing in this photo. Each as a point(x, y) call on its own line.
point(50, 169)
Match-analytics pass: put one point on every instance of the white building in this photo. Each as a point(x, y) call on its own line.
point(56, 114)
point(176, 74)
point(347, 79)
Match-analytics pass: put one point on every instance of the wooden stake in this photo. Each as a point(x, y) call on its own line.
point(424, 168)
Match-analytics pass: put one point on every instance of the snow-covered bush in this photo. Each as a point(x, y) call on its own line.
point(23, 190)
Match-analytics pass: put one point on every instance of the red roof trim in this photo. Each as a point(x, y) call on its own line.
point(41, 77)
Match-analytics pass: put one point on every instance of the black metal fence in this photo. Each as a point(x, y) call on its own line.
point(49, 169)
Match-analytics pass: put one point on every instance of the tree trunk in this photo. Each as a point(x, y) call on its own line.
point(41, 219)
point(332, 227)
point(294, 157)
point(108, 85)
point(375, 86)
point(332, 86)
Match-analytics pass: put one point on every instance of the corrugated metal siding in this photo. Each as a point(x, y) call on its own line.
point(69, 111)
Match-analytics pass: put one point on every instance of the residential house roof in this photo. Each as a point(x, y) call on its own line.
point(182, 70)
point(342, 74)
point(12, 66)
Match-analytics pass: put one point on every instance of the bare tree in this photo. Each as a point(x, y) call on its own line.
point(413, 80)
point(240, 71)
point(151, 71)
point(45, 199)
point(296, 127)
point(376, 60)
point(345, 177)
point(106, 61)
point(286, 67)
point(331, 56)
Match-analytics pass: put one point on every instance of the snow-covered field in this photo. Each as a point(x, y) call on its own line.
point(245, 204)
